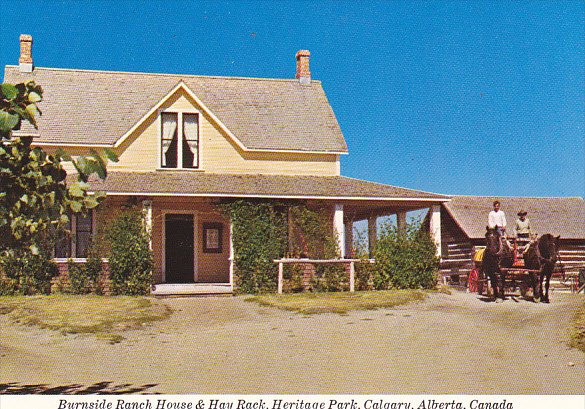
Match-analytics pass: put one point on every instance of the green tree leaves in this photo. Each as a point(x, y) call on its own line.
point(35, 198)
point(405, 258)
point(9, 91)
point(18, 102)
point(8, 121)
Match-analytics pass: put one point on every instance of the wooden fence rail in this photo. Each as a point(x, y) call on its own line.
point(351, 261)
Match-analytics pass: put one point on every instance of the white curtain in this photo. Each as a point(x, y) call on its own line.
point(191, 130)
point(169, 127)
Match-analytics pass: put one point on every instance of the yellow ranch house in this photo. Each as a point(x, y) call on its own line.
point(187, 142)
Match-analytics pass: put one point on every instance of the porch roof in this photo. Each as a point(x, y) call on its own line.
point(168, 183)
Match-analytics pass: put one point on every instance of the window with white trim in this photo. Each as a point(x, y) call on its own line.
point(76, 243)
point(179, 140)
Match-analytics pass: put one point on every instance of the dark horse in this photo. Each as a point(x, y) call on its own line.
point(542, 255)
point(497, 255)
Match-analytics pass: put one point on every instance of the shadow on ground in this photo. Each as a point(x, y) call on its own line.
point(100, 388)
point(514, 298)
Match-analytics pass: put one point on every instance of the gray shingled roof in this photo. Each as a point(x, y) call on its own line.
point(189, 183)
point(98, 107)
point(564, 216)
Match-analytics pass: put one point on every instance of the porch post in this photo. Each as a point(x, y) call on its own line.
point(435, 226)
point(290, 231)
point(339, 228)
point(349, 238)
point(372, 233)
point(352, 277)
point(231, 259)
point(401, 220)
point(147, 212)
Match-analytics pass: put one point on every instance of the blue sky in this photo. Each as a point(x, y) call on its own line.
point(454, 97)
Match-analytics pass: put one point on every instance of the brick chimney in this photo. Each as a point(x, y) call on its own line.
point(303, 72)
point(25, 62)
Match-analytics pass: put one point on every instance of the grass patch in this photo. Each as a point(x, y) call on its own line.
point(338, 302)
point(105, 317)
point(578, 330)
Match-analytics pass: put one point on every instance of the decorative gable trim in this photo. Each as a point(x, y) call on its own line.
point(180, 86)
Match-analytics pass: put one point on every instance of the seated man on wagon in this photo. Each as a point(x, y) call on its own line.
point(522, 228)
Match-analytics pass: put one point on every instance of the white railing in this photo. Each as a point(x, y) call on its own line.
point(351, 261)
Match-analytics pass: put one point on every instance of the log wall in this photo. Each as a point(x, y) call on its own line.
point(456, 249)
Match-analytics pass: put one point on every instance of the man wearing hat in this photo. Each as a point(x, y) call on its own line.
point(522, 227)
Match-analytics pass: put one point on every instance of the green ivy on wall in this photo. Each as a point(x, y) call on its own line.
point(265, 230)
point(259, 236)
point(130, 258)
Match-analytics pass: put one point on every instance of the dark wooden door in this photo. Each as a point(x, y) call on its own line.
point(179, 248)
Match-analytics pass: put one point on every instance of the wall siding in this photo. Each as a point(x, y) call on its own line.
point(218, 154)
point(572, 254)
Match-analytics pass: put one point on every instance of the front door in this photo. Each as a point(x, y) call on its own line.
point(179, 248)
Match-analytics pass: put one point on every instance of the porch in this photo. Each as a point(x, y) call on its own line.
point(184, 265)
point(191, 237)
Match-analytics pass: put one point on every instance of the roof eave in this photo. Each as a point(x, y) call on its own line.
point(277, 196)
point(111, 145)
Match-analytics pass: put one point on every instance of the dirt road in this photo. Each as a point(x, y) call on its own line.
point(456, 344)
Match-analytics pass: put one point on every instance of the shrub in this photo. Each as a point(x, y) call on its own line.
point(405, 258)
point(364, 271)
point(8, 286)
point(26, 273)
point(130, 257)
point(78, 281)
point(84, 278)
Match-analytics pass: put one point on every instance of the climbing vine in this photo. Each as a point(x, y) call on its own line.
point(259, 236)
point(264, 231)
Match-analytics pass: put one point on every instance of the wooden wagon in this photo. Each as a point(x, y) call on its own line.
point(571, 278)
point(517, 276)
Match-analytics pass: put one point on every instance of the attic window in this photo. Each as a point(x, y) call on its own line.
point(180, 140)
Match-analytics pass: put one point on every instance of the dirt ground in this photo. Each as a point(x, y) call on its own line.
point(448, 344)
